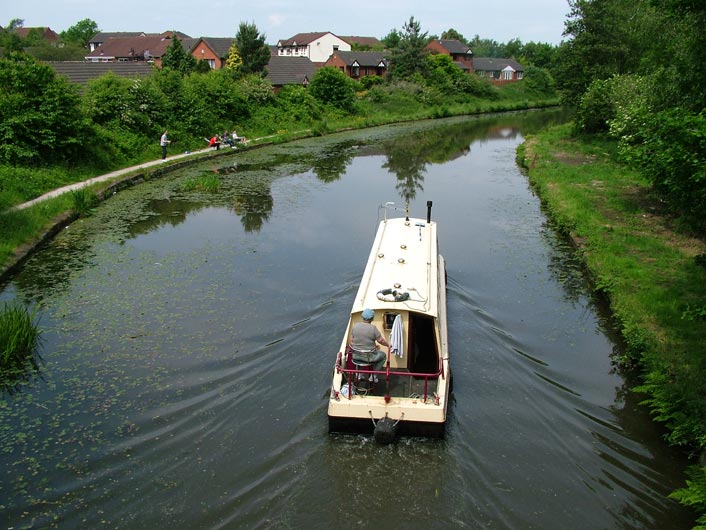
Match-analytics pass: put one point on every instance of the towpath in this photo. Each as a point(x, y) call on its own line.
point(108, 176)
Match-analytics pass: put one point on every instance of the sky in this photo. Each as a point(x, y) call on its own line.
point(499, 20)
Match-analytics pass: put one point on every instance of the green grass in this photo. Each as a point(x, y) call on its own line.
point(84, 201)
point(23, 227)
point(205, 182)
point(19, 337)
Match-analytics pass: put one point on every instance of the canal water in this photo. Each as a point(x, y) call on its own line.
point(190, 336)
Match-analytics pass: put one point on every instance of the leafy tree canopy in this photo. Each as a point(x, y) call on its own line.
point(408, 57)
point(177, 58)
point(80, 33)
point(255, 54)
point(452, 34)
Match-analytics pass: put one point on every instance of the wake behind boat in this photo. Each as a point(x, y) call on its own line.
point(403, 294)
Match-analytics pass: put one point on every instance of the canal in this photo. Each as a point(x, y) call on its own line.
point(189, 338)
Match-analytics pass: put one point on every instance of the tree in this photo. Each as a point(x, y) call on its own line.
point(606, 38)
point(409, 57)
point(234, 62)
point(452, 34)
point(178, 59)
point(10, 41)
point(486, 47)
point(253, 51)
point(80, 33)
point(392, 39)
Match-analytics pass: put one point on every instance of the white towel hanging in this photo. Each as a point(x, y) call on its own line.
point(397, 337)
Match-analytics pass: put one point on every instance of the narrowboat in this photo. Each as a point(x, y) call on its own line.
point(403, 294)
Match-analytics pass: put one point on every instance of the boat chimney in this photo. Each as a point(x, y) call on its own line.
point(428, 211)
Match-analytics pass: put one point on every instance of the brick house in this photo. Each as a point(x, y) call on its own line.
point(317, 47)
point(213, 50)
point(363, 43)
point(44, 33)
point(100, 37)
point(460, 53)
point(358, 64)
point(145, 47)
point(499, 71)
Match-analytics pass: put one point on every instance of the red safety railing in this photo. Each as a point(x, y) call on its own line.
point(352, 372)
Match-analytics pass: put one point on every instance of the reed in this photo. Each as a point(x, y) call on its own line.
point(206, 182)
point(19, 337)
point(84, 201)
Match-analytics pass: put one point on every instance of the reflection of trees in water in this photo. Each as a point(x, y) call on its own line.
point(253, 206)
point(329, 165)
point(164, 212)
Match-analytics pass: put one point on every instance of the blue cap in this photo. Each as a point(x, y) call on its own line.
point(368, 314)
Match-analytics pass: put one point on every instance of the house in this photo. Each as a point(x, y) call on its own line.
point(459, 52)
point(289, 71)
point(81, 72)
point(499, 71)
point(358, 64)
point(317, 47)
point(213, 50)
point(364, 43)
point(44, 33)
point(100, 37)
point(144, 47)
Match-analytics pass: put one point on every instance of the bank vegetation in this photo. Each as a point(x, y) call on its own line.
point(627, 181)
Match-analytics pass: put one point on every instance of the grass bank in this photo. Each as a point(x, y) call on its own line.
point(653, 275)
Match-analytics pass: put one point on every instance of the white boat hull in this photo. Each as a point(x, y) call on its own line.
point(405, 278)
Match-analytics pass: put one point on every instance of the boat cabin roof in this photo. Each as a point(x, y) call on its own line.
point(404, 258)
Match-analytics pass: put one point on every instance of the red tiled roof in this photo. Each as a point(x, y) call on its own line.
point(131, 47)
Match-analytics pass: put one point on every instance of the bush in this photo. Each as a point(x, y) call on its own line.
point(370, 81)
point(40, 115)
point(539, 80)
point(332, 87)
point(614, 105)
point(595, 108)
point(298, 104)
point(670, 150)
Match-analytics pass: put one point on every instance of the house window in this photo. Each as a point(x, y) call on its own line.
point(519, 75)
point(211, 63)
point(355, 71)
point(507, 75)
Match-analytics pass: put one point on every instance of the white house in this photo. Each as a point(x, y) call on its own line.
point(317, 47)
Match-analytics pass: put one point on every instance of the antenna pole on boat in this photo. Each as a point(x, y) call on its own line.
point(428, 211)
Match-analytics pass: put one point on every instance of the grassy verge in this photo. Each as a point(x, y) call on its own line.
point(653, 275)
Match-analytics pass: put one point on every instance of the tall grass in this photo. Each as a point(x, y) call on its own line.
point(84, 201)
point(19, 337)
point(204, 182)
